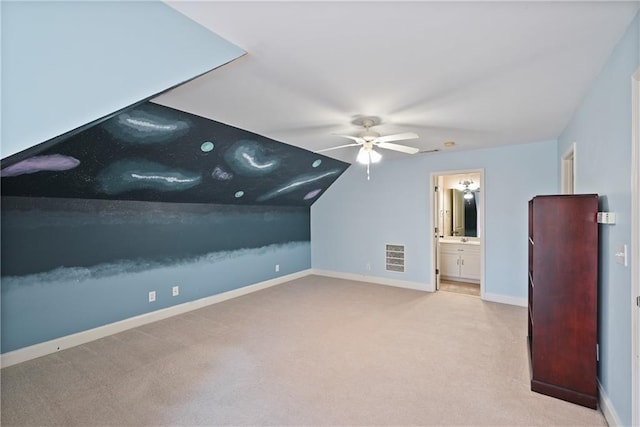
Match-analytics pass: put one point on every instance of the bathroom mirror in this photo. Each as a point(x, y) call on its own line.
point(461, 215)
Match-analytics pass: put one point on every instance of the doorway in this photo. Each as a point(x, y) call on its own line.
point(458, 231)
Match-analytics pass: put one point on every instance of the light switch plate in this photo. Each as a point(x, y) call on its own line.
point(621, 255)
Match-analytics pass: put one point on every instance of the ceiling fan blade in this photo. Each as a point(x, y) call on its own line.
point(355, 138)
point(335, 148)
point(397, 137)
point(398, 147)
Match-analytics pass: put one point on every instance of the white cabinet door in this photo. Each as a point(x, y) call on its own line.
point(449, 264)
point(470, 266)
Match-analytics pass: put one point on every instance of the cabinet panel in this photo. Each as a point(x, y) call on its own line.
point(470, 266)
point(449, 264)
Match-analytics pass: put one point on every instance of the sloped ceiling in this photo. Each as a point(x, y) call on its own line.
point(155, 153)
point(479, 73)
point(69, 63)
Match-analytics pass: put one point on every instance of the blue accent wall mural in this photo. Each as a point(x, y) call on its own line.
point(146, 200)
point(155, 153)
point(42, 235)
point(69, 265)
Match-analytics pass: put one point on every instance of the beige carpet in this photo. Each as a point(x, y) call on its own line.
point(313, 351)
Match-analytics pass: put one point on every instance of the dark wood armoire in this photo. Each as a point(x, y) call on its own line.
point(563, 297)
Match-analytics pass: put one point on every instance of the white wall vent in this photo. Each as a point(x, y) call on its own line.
point(395, 258)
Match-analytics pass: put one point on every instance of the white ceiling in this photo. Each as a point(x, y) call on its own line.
point(479, 73)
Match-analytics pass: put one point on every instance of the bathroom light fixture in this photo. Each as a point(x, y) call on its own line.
point(467, 184)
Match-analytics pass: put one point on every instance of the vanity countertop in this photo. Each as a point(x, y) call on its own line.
point(458, 241)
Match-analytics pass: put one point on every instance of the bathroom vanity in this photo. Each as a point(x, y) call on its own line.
point(460, 259)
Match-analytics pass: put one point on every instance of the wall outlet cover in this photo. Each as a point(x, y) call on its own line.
point(621, 255)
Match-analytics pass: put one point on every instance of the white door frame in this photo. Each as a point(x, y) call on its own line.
point(481, 222)
point(436, 229)
point(569, 170)
point(635, 247)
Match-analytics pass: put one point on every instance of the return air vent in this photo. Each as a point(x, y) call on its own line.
point(395, 258)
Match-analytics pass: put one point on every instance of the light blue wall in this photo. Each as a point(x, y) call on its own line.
point(65, 64)
point(601, 128)
point(355, 218)
point(42, 307)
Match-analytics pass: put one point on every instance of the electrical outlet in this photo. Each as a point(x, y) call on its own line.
point(152, 296)
point(175, 291)
point(368, 266)
point(277, 267)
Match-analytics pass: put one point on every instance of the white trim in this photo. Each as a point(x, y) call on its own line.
point(375, 280)
point(52, 346)
point(568, 166)
point(506, 299)
point(435, 259)
point(607, 408)
point(438, 214)
point(481, 224)
point(635, 247)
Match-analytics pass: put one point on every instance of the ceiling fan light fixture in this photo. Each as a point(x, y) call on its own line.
point(375, 156)
point(368, 155)
point(367, 139)
point(363, 156)
point(369, 135)
point(468, 195)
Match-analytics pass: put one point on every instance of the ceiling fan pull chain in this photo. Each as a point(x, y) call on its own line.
point(368, 178)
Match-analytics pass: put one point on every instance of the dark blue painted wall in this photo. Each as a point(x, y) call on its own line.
point(69, 265)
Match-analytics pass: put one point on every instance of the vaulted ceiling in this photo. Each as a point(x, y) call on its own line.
point(480, 74)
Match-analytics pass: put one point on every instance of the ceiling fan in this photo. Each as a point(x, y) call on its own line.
point(368, 139)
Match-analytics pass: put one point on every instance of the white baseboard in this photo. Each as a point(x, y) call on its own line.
point(607, 408)
point(505, 299)
point(374, 279)
point(48, 347)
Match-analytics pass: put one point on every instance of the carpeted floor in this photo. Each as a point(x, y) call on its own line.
point(314, 351)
